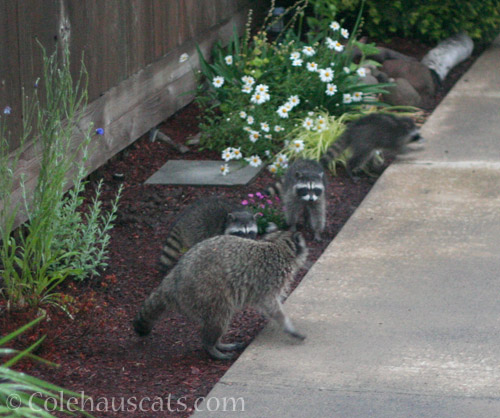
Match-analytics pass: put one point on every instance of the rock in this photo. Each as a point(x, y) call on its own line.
point(402, 94)
point(448, 53)
point(384, 54)
point(417, 74)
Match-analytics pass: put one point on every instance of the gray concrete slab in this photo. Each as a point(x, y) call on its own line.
point(203, 173)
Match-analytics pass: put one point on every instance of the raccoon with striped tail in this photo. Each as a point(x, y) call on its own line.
point(302, 190)
point(222, 275)
point(374, 132)
point(204, 219)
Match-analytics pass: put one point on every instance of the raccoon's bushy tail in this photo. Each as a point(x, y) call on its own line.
point(161, 298)
point(172, 249)
point(333, 152)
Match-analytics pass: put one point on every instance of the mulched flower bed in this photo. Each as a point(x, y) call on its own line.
point(98, 352)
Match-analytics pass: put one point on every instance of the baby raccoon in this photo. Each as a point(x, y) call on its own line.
point(203, 219)
point(303, 190)
point(373, 132)
point(222, 275)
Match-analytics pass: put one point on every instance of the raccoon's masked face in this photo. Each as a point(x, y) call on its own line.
point(309, 188)
point(241, 224)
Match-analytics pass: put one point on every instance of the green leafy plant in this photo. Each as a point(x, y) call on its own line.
point(257, 92)
point(267, 210)
point(22, 395)
point(55, 243)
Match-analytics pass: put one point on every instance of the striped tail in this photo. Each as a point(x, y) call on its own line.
point(159, 300)
point(335, 151)
point(172, 250)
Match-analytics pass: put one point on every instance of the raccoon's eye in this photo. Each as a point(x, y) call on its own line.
point(238, 234)
point(317, 191)
point(302, 192)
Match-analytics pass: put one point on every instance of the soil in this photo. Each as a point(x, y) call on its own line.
point(98, 352)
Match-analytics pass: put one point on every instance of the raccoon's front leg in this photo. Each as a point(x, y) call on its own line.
point(317, 218)
point(292, 214)
point(274, 309)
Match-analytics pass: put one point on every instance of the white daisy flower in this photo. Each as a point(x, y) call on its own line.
point(278, 128)
point(347, 98)
point(248, 80)
point(308, 50)
point(281, 159)
point(361, 72)
point(265, 126)
point(247, 88)
point(338, 46)
point(312, 66)
point(357, 96)
point(293, 101)
point(344, 33)
point(268, 136)
point(224, 169)
point(295, 56)
point(254, 136)
point(243, 114)
point(326, 75)
point(229, 60)
point(283, 111)
point(250, 120)
point(267, 152)
point(308, 123)
point(272, 168)
point(218, 81)
point(331, 89)
point(297, 62)
point(227, 154)
point(297, 145)
point(320, 123)
point(330, 43)
point(254, 161)
point(237, 155)
point(184, 57)
point(347, 70)
point(262, 88)
point(257, 98)
point(335, 26)
point(247, 129)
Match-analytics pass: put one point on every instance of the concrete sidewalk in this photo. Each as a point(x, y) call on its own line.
point(402, 311)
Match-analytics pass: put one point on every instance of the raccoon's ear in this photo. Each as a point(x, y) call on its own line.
point(298, 175)
point(322, 174)
point(230, 217)
point(298, 238)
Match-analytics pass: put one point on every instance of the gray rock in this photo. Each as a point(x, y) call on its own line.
point(402, 94)
point(417, 74)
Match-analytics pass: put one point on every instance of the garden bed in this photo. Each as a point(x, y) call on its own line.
point(98, 352)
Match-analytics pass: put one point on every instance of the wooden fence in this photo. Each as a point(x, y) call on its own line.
point(131, 52)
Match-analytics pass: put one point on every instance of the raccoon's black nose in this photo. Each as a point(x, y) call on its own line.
point(417, 137)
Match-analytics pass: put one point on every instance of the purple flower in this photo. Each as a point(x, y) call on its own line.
point(244, 202)
point(262, 206)
point(259, 195)
point(7, 110)
point(259, 214)
point(270, 202)
point(250, 195)
point(99, 131)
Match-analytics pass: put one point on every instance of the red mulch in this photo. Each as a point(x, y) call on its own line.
point(98, 352)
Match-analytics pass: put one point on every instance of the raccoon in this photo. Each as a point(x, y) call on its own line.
point(303, 190)
point(204, 219)
point(224, 274)
point(370, 133)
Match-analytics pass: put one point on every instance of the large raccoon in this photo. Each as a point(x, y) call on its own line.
point(224, 274)
point(370, 133)
point(303, 190)
point(204, 219)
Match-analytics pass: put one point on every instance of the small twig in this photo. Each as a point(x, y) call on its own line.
point(156, 133)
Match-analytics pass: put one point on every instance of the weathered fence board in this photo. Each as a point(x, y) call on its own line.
point(131, 54)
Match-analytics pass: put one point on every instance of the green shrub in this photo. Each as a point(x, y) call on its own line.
point(259, 90)
point(54, 243)
point(430, 21)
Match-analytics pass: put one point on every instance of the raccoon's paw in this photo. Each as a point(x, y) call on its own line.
point(216, 354)
point(297, 335)
point(317, 237)
point(230, 347)
point(141, 327)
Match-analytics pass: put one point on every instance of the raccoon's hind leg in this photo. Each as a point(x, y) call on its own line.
point(357, 161)
point(213, 328)
point(274, 309)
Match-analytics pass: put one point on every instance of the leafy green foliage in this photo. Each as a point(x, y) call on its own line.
point(22, 395)
point(55, 243)
point(267, 211)
point(430, 21)
point(257, 92)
